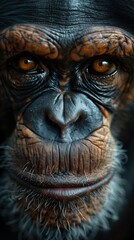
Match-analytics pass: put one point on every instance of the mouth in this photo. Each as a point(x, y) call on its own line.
point(61, 187)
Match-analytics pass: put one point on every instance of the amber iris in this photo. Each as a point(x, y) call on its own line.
point(26, 64)
point(103, 66)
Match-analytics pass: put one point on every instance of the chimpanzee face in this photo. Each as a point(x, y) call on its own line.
point(66, 71)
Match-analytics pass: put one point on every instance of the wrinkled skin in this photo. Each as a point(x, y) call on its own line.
point(66, 83)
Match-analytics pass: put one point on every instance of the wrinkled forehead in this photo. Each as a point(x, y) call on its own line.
point(48, 12)
point(64, 13)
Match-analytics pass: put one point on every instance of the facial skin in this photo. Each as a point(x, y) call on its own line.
point(65, 72)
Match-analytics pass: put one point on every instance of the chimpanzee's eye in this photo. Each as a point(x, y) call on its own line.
point(26, 63)
point(102, 66)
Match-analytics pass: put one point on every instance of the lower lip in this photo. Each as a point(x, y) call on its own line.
point(66, 193)
point(72, 193)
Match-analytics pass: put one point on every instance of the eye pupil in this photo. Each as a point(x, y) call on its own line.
point(26, 61)
point(103, 63)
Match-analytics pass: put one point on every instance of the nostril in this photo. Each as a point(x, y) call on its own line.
point(50, 121)
point(80, 119)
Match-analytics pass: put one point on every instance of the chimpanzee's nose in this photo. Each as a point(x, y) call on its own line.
point(63, 117)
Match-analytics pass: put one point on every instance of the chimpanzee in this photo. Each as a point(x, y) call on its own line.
point(66, 117)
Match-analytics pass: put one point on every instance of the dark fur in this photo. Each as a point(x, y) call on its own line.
point(117, 13)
